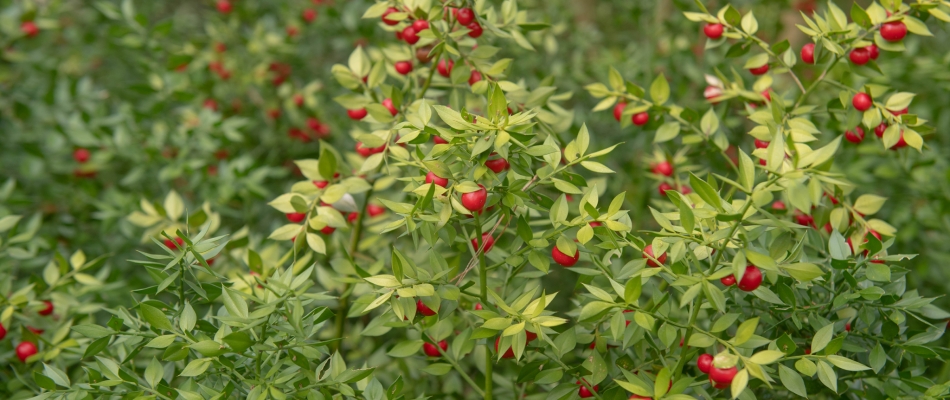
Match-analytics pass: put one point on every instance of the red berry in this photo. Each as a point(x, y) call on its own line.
point(664, 187)
point(861, 101)
point(445, 67)
point(3, 332)
point(410, 35)
point(711, 92)
point(854, 136)
point(893, 31)
point(900, 112)
point(648, 254)
point(356, 114)
point(728, 280)
point(761, 144)
point(808, 53)
point(179, 242)
point(81, 155)
point(778, 205)
point(847, 326)
point(487, 242)
point(403, 67)
point(704, 362)
point(722, 377)
point(423, 309)
point(375, 210)
point(641, 119)
point(388, 11)
point(29, 28)
point(48, 309)
point(860, 56)
point(475, 77)
point(563, 259)
point(713, 31)
point(439, 140)
point(309, 15)
point(431, 177)
point(751, 279)
point(420, 25)
point(24, 350)
point(900, 142)
point(760, 70)
point(618, 111)
point(475, 30)
point(210, 104)
point(529, 336)
point(327, 230)
point(224, 6)
point(475, 201)
point(873, 51)
point(663, 168)
point(296, 217)
point(510, 353)
point(388, 103)
point(433, 351)
point(465, 16)
point(352, 217)
point(478, 306)
point(584, 392)
point(879, 131)
point(497, 165)
point(804, 219)
point(767, 94)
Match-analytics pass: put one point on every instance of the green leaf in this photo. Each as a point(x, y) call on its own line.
point(667, 132)
point(766, 357)
point(745, 331)
point(827, 376)
point(196, 367)
point(750, 25)
point(869, 204)
point(92, 331)
point(57, 375)
point(154, 317)
point(792, 381)
point(847, 364)
point(803, 271)
point(724, 322)
point(161, 342)
point(660, 90)
point(822, 338)
point(705, 191)
point(877, 358)
point(187, 319)
point(860, 17)
point(405, 348)
point(154, 372)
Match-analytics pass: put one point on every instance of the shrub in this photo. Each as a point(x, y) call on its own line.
point(461, 248)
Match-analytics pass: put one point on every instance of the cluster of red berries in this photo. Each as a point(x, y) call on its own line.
point(719, 378)
point(638, 119)
point(26, 349)
point(751, 279)
point(856, 135)
point(281, 72)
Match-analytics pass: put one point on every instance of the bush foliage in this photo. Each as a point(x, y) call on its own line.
point(464, 199)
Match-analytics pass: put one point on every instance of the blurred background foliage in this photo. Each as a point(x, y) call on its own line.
point(175, 95)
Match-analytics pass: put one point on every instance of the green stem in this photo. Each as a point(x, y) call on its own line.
point(435, 61)
point(344, 302)
point(483, 293)
point(689, 332)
